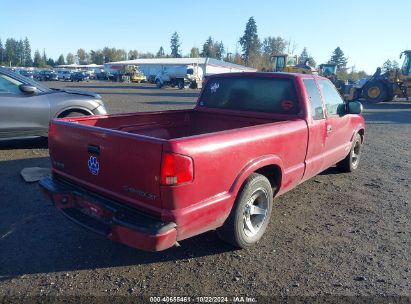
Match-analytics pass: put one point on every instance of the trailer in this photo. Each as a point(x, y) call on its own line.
point(152, 67)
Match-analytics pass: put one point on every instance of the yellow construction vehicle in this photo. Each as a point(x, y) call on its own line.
point(134, 73)
point(289, 63)
point(329, 70)
point(386, 86)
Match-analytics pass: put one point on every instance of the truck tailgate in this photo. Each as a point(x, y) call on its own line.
point(122, 166)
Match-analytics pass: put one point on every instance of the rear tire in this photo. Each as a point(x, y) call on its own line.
point(158, 84)
point(251, 212)
point(351, 161)
point(180, 84)
point(375, 91)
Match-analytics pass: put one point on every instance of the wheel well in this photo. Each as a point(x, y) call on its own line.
point(361, 132)
point(66, 112)
point(273, 174)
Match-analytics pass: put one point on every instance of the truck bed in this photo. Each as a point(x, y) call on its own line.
point(128, 148)
point(174, 124)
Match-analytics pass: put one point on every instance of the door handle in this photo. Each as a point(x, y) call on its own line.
point(329, 128)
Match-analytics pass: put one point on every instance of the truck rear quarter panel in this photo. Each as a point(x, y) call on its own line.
point(222, 161)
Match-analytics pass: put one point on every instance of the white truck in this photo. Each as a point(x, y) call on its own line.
point(180, 76)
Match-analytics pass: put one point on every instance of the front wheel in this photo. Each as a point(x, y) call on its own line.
point(251, 212)
point(351, 161)
point(375, 91)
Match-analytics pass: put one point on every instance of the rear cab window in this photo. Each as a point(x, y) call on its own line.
point(254, 94)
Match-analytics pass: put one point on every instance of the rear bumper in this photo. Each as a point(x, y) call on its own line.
point(114, 221)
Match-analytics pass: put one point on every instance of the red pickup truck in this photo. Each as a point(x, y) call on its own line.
point(149, 180)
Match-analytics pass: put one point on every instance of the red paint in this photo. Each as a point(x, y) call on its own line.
point(216, 151)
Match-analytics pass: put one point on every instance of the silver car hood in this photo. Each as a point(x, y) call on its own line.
point(78, 92)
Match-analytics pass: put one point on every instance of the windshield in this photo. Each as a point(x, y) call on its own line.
point(279, 63)
point(255, 94)
point(328, 70)
point(406, 67)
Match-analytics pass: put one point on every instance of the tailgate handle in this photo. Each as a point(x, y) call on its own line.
point(93, 149)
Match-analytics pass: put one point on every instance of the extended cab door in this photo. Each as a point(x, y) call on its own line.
point(317, 129)
point(338, 127)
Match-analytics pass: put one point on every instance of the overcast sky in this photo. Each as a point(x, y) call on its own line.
point(369, 32)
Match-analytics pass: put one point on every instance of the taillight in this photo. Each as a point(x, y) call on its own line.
point(176, 169)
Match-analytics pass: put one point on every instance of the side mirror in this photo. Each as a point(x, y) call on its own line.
point(354, 107)
point(28, 89)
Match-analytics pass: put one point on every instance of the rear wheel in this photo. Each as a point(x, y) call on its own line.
point(180, 84)
point(350, 163)
point(158, 84)
point(375, 91)
point(251, 212)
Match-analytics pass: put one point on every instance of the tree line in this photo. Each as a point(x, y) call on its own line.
point(251, 51)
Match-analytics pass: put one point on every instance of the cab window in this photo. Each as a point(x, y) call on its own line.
point(9, 85)
point(316, 104)
point(331, 97)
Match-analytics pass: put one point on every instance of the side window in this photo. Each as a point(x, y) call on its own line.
point(9, 85)
point(315, 99)
point(331, 96)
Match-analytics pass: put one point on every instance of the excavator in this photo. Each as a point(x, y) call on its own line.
point(134, 73)
point(288, 63)
point(386, 86)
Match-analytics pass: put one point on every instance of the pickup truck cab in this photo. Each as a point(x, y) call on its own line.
point(149, 180)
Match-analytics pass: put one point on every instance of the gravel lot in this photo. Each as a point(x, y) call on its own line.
point(337, 234)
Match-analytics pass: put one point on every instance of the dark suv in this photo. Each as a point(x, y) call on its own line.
point(79, 76)
point(47, 76)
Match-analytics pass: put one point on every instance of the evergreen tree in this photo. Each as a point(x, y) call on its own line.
point(10, 52)
point(338, 58)
point(250, 43)
point(96, 57)
point(387, 66)
point(303, 55)
point(70, 58)
point(195, 52)
point(38, 60)
point(82, 56)
point(209, 48)
point(132, 55)
point(44, 57)
point(19, 53)
point(1, 52)
point(175, 45)
point(213, 49)
point(160, 53)
point(27, 53)
point(220, 50)
point(50, 62)
point(60, 61)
